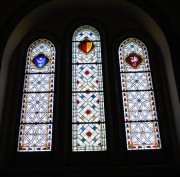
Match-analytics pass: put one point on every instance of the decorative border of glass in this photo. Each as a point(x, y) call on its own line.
point(35, 130)
point(88, 119)
point(140, 115)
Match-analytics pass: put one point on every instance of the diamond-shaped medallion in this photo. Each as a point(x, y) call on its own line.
point(40, 61)
point(134, 60)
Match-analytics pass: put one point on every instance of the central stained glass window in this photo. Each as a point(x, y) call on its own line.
point(140, 115)
point(88, 117)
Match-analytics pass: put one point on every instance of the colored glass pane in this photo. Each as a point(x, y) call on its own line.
point(136, 81)
point(39, 82)
point(140, 115)
point(88, 119)
point(142, 135)
point(35, 130)
point(89, 137)
point(79, 56)
point(35, 137)
point(87, 77)
point(88, 107)
point(40, 60)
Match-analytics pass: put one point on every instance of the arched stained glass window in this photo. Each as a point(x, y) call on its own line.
point(88, 117)
point(35, 130)
point(140, 115)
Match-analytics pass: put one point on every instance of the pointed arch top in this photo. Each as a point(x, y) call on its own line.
point(133, 48)
point(41, 57)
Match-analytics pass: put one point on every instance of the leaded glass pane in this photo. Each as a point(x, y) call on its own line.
point(40, 57)
point(81, 57)
point(39, 82)
point(86, 31)
point(88, 128)
point(136, 81)
point(140, 115)
point(37, 107)
point(35, 137)
point(35, 132)
point(139, 106)
point(130, 62)
point(89, 137)
point(88, 107)
point(48, 68)
point(142, 135)
point(87, 77)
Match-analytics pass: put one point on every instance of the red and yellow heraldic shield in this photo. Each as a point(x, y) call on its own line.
point(86, 46)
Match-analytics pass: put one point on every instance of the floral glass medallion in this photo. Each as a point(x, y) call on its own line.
point(134, 60)
point(40, 61)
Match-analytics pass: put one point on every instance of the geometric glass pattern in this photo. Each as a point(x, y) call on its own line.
point(35, 130)
point(140, 113)
point(88, 115)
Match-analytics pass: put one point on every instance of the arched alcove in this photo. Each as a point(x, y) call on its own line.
point(61, 18)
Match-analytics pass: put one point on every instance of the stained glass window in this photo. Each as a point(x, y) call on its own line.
point(88, 117)
point(35, 130)
point(140, 114)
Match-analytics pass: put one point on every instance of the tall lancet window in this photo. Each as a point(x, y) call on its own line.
point(140, 115)
point(88, 115)
point(35, 130)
